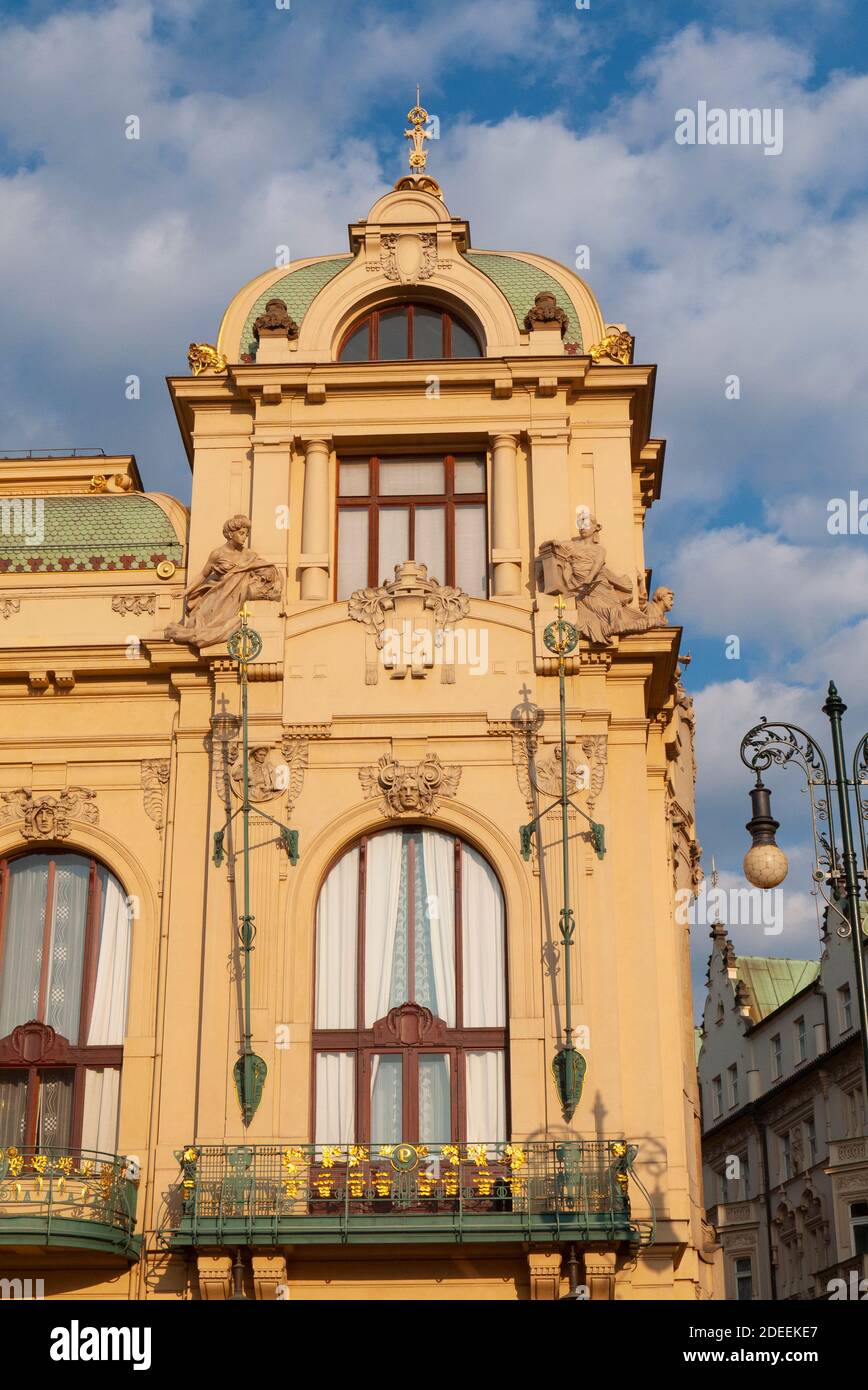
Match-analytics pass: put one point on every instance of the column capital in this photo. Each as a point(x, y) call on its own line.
point(308, 438)
point(504, 438)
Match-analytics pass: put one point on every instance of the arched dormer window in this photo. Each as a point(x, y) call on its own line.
point(399, 332)
point(65, 935)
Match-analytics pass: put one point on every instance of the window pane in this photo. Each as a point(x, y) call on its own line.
point(435, 926)
point(464, 343)
point(69, 918)
point(356, 346)
point(335, 1098)
point(427, 333)
point(469, 475)
point(435, 1104)
point(385, 925)
point(108, 1017)
point(482, 942)
point(486, 1097)
point(430, 541)
point(411, 477)
point(387, 1109)
point(393, 334)
point(352, 550)
point(22, 956)
point(354, 480)
point(13, 1107)
point(337, 930)
point(471, 566)
point(54, 1121)
point(394, 540)
point(99, 1123)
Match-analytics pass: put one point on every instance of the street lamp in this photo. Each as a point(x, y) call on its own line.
point(765, 864)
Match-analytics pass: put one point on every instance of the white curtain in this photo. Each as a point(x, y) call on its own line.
point(22, 955)
point(99, 1129)
point(486, 1097)
point(68, 923)
point(337, 920)
point(438, 856)
point(335, 1098)
point(387, 1119)
point(382, 902)
point(108, 1018)
point(435, 1098)
point(483, 943)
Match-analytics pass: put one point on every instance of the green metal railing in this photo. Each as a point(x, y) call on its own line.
point(67, 1197)
point(301, 1193)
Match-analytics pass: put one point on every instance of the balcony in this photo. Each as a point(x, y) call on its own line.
point(73, 1199)
point(298, 1194)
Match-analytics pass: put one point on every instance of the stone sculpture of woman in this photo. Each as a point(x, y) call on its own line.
point(603, 599)
point(231, 576)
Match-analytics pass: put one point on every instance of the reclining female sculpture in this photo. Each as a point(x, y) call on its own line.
point(232, 574)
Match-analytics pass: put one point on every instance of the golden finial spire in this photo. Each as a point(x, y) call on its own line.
point(418, 118)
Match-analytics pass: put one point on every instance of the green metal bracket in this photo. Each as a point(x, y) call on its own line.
point(219, 853)
point(526, 833)
point(598, 837)
point(289, 841)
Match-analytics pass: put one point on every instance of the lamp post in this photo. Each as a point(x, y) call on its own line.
point(568, 1064)
point(250, 1070)
point(765, 864)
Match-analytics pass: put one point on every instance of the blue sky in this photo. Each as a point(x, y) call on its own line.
point(263, 126)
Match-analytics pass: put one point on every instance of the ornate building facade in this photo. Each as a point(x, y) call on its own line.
point(785, 1144)
point(284, 949)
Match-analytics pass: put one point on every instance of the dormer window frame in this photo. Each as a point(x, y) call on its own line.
point(373, 317)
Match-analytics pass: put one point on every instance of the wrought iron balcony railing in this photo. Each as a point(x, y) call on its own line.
point(74, 1198)
point(296, 1193)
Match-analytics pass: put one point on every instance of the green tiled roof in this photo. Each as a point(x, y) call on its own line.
point(772, 981)
point(66, 534)
point(521, 282)
point(298, 289)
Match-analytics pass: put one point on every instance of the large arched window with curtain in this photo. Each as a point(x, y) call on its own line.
point(400, 332)
point(65, 938)
point(410, 995)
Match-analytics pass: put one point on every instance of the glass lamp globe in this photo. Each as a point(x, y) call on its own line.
point(765, 866)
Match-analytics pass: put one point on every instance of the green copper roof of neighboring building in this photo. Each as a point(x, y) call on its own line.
point(68, 533)
point(298, 289)
point(521, 281)
point(773, 981)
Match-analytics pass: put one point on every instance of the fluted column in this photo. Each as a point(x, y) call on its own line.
point(314, 559)
point(505, 551)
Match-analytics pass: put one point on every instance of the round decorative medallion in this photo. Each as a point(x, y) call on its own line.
point(561, 637)
point(404, 1158)
point(244, 644)
point(165, 569)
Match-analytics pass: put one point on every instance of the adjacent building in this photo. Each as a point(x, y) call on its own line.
point(784, 1141)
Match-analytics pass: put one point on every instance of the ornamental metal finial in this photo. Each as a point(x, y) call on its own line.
point(418, 117)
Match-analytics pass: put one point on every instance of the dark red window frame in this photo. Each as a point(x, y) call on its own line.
point(374, 503)
point(365, 1043)
point(372, 319)
point(37, 1048)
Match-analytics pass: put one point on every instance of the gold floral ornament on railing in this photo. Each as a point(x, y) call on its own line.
point(294, 1170)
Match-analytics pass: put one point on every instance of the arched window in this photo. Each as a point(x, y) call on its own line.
point(404, 331)
point(65, 934)
point(410, 1010)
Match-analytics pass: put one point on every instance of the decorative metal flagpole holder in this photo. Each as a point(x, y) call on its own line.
point(568, 1064)
point(250, 1070)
